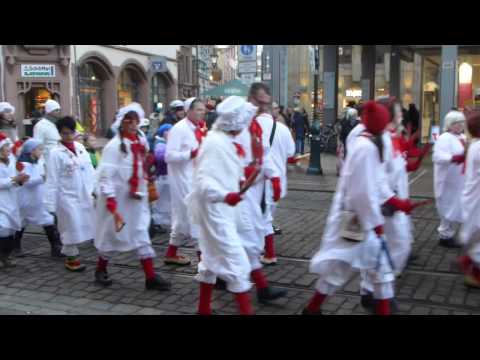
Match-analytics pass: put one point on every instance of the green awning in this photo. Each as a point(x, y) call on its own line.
point(234, 87)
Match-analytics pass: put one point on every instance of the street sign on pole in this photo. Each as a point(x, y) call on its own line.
point(247, 53)
point(247, 79)
point(247, 67)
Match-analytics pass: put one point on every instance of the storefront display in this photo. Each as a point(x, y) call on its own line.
point(127, 88)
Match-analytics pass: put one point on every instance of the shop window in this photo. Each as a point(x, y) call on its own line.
point(128, 87)
point(35, 100)
point(91, 90)
point(159, 92)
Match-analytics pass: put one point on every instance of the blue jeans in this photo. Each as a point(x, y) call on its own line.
point(300, 145)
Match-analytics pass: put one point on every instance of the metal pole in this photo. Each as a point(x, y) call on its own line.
point(315, 165)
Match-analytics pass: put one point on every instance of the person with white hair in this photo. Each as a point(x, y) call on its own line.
point(449, 176)
point(7, 121)
point(45, 130)
point(122, 209)
point(212, 206)
point(183, 143)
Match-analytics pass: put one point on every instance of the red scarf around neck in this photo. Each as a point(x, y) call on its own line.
point(70, 146)
point(138, 151)
point(256, 136)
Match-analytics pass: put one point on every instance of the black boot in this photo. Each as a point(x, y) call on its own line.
point(102, 278)
point(367, 301)
point(270, 293)
point(449, 243)
point(6, 248)
point(277, 230)
point(17, 250)
point(54, 240)
point(220, 284)
point(157, 283)
point(307, 312)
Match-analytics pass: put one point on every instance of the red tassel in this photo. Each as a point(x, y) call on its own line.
point(205, 299)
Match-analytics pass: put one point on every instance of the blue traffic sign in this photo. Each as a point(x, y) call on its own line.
point(246, 49)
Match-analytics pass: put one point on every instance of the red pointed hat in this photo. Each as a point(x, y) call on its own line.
point(375, 117)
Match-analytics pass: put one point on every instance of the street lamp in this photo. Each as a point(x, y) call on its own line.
point(315, 165)
point(214, 58)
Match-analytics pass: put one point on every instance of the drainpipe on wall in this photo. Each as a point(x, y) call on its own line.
point(77, 84)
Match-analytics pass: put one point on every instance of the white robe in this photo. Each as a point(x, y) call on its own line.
point(218, 172)
point(31, 197)
point(10, 220)
point(448, 177)
point(398, 229)
point(254, 224)
point(46, 132)
point(181, 141)
point(114, 172)
point(70, 184)
point(470, 231)
point(358, 189)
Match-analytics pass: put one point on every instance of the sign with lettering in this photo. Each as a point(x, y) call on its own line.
point(37, 70)
point(159, 64)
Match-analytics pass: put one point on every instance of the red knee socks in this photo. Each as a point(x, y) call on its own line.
point(383, 307)
point(316, 301)
point(259, 279)
point(102, 264)
point(171, 251)
point(148, 268)
point(205, 299)
point(269, 247)
point(244, 303)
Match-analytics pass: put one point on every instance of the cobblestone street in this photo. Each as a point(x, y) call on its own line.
point(432, 285)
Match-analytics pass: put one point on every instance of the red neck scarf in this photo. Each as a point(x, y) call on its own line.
point(257, 146)
point(138, 151)
point(200, 130)
point(70, 146)
point(240, 150)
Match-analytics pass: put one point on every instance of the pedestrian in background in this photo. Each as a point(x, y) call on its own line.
point(175, 113)
point(46, 130)
point(211, 115)
point(7, 121)
point(301, 128)
point(449, 176)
